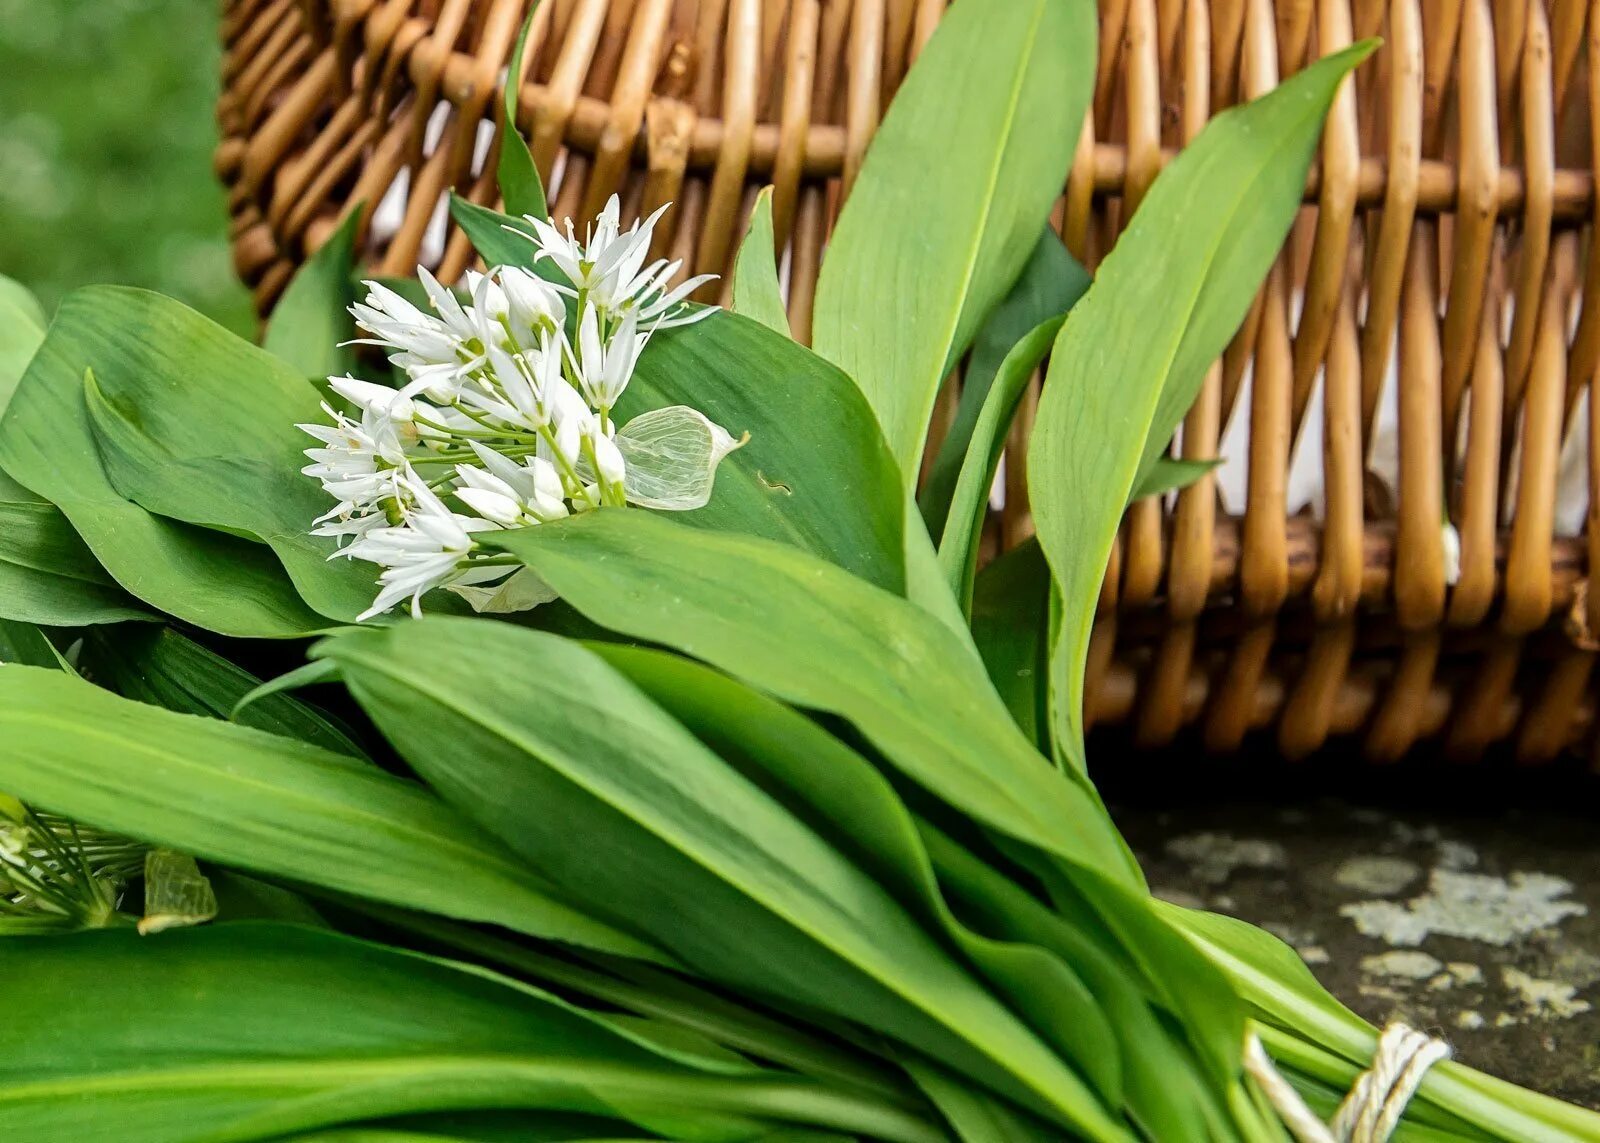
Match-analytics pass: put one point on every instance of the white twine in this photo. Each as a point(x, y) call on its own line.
point(1372, 1110)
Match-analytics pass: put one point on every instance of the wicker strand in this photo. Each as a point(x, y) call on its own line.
point(1379, 1097)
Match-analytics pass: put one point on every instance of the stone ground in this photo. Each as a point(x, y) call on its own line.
point(1466, 903)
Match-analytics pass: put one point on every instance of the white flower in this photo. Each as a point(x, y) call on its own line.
point(608, 269)
point(423, 553)
point(429, 351)
point(509, 301)
point(604, 365)
point(359, 461)
point(503, 422)
point(511, 494)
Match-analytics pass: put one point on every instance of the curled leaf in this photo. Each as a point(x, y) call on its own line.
point(672, 456)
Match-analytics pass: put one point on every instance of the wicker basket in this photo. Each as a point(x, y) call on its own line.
point(1446, 241)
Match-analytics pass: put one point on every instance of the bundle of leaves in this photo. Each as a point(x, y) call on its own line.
point(773, 824)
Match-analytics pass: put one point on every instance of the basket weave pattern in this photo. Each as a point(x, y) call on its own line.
point(1446, 240)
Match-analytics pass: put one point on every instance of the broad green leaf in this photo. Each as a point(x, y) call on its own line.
point(815, 473)
point(652, 992)
point(204, 431)
point(330, 1030)
point(818, 637)
point(480, 1127)
point(974, 1118)
point(1170, 473)
point(1135, 350)
point(958, 550)
point(520, 186)
point(1165, 1087)
point(1009, 613)
point(488, 232)
point(605, 794)
point(312, 321)
point(162, 667)
point(1051, 283)
point(24, 644)
point(925, 583)
point(22, 326)
point(267, 804)
point(951, 197)
point(837, 792)
point(48, 576)
point(756, 292)
point(209, 579)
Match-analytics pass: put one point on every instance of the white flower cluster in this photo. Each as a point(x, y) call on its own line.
point(506, 419)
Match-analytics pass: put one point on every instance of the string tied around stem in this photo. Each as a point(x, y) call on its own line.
point(1379, 1097)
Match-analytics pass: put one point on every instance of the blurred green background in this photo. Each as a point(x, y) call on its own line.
point(106, 134)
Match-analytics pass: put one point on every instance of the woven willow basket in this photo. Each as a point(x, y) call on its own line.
point(1430, 335)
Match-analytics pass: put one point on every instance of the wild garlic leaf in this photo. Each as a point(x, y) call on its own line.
point(210, 579)
point(950, 200)
point(756, 292)
point(1134, 351)
point(331, 1030)
point(1050, 285)
point(1171, 473)
point(268, 805)
point(22, 326)
point(818, 637)
point(565, 748)
point(311, 325)
point(520, 186)
point(969, 502)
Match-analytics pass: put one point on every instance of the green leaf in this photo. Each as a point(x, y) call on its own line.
point(608, 796)
point(820, 638)
point(201, 427)
point(488, 233)
point(312, 320)
point(1165, 1089)
point(815, 473)
point(331, 1030)
point(24, 644)
point(212, 580)
point(756, 292)
point(22, 326)
point(271, 805)
point(958, 550)
point(951, 197)
point(163, 668)
point(838, 793)
point(520, 186)
point(1051, 283)
point(656, 993)
point(1135, 350)
point(1170, 473)
point(48, 576)
point(1009, 613)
